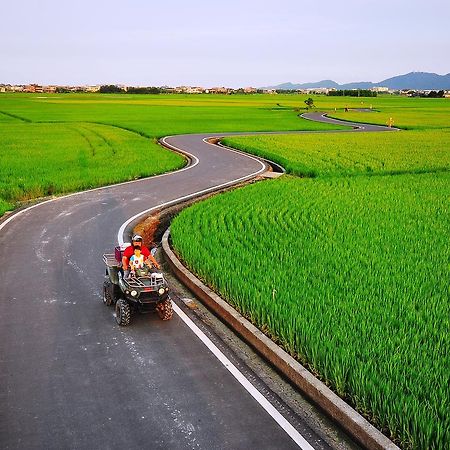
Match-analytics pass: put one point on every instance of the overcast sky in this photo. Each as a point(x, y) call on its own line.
point(230, 43)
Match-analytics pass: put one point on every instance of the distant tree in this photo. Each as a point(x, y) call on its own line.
point(353, 93)
point(110, 89)
point(434, 94)
point(144, 90)
point(309, 103)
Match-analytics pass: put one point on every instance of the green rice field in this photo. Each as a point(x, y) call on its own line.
point(352, 153)
point(347, 268)
point(350, 275)
point(58, 143)
point(41, 130)
point(345, 262)
point(40, 159)
point(406, 113)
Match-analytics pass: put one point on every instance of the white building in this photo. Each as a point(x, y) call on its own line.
point(380, 89)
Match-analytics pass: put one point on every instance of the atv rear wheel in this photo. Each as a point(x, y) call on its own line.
point(123, 313)
point(107, 297)
point(165, 309)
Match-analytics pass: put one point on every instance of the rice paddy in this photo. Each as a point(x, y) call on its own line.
point(352, 153)
point(56, 144)
point(348, 267)
point(40, 159)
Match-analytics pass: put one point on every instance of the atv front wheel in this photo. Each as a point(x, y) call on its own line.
point(107, 298)
point(123, 313)
point(165, 310)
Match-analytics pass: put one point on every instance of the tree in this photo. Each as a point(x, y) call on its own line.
point(309, 103)
point(110, 89)
point(144, 90)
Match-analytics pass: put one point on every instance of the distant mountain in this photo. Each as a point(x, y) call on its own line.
point(319, 84)
point(412, 80)
point(316, 85)
point(418, 80)
point(358, 85)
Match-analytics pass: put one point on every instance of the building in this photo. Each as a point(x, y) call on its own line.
point(49, 89)
point(195, 90)
point(219, 90)
point(95, 88)
point(379, 89)
point(33, 88)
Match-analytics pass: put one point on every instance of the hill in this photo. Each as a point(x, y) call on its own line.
point(412, 80)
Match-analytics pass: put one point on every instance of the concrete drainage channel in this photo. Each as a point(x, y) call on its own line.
point(350, 420)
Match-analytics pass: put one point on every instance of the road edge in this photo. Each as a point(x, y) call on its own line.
point(349, 419)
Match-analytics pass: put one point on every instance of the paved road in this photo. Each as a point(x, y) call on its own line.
point(320, 117)
point(69, 376)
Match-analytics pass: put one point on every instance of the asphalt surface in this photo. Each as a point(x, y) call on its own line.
point(70, 377)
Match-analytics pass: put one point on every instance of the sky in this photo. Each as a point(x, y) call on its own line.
point(230, 43)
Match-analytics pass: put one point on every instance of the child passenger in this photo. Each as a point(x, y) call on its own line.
point(136, 260)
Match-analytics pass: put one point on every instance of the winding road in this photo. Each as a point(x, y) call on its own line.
point(70, 378)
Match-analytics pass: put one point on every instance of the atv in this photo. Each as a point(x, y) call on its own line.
point(144, 291)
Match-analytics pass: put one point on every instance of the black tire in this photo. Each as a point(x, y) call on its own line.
point(107, 297)
point(123, 313)
point(165, 309)
point(115, 293)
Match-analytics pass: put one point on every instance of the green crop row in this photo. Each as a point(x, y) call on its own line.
point(350, 275)
point(352, 153)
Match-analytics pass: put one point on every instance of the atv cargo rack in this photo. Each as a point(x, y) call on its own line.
point(112, 267)
point(110, 260)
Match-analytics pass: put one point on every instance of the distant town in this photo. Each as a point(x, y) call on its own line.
point(119, 88)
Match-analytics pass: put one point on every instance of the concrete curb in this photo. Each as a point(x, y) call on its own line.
point(356, 425)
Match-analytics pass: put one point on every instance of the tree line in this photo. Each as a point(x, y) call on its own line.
point(113, 89)
point(353, 93)
point(433, 94)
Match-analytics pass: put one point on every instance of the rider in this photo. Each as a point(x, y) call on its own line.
point(129, 252)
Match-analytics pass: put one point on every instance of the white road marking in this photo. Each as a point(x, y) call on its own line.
point(194, 159)
point(269, 408)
